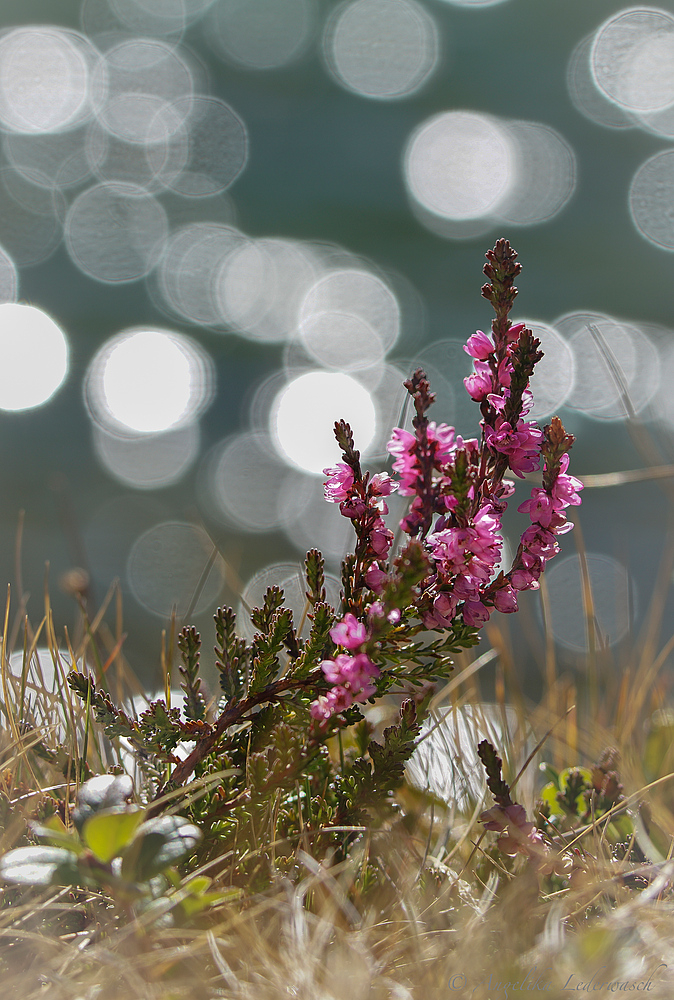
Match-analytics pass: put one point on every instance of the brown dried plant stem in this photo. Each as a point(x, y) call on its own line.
point(235, 713)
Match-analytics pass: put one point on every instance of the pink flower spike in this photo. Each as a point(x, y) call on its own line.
point(349, 633)
point(340, 481)
point(479, 346)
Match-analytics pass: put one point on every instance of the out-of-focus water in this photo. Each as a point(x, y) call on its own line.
point(226, 223)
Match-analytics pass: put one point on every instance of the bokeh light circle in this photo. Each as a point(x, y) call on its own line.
point(215, 145)
point(148, 381)
point(616, 365)
point(115, 232)
point(35, 356)
point(587, 97)
point(304, 414)
point(651, 200)
point(148, 461)
point(44, 79)
point(458, 164)
point(191, 261)
point(261, 34)
point(612, 600)
point(466, 171)
point(382, 49)
point(260, 285)
point(290, 578)
point(554, 375)
point(135, 81)
point(168, 567)
point(349, 319)
point(632, 59)
point(243, 477)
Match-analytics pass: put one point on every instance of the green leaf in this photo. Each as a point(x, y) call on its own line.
point(158, 844)
point(56, 834)
point(232, 655)
point(189, 644)
point(267, 647)
point(103, 792)
point(106, 833)
point(319, 643)
point(40, 866)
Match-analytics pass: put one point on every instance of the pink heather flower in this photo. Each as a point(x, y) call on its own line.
point(414, 518)
point(505, 599)
point(475, 613)
point(340, 481)
point(349, 633)
point(442, 612)
point(498, 402)
point(566, 487)
point(321, 709)
point(381, 485)
point(504, 373)
point(381, 539)
point(326, 705)
point(353, 507)
point(522, 446)
point(524, 579)
point(516, 834)
point(538, 541)
point(480, 383)
point(401, 446)
point(375, 579)
point(351, 677)
point(353, 673)
point(445, 440)
point(514, 332)
point(539, 507)
point(479, 346)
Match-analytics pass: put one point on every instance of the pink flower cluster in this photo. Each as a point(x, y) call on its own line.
point(357, 502)
point(465, 558)
point(442, 441)
point(545, 508)
point(350, 675)
point(491, 382)
point(516, 834)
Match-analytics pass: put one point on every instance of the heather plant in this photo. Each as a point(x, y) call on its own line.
point(268, 845)
point(290, 748)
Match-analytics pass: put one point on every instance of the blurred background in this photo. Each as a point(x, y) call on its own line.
point(226, 223)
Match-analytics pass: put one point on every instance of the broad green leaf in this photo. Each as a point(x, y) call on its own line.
point(549, 795)
point(40, 866)
point(107, 832)
point(102, 792)
point(55, 833)
point(158, 844)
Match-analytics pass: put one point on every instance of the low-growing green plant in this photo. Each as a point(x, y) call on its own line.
point(113, 846)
